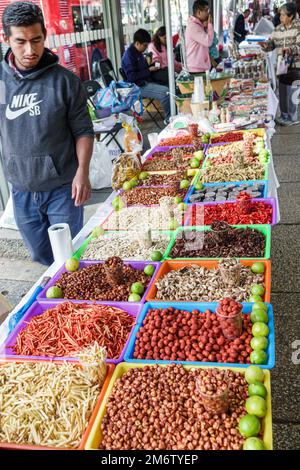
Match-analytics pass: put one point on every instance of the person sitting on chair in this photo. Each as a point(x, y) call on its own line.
point(137, 70)
point(240, 31)
point(158, 47)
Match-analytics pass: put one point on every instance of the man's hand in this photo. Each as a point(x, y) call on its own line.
point(153, 68)
point(81, 188)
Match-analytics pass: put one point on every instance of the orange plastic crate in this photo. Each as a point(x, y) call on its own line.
point(168, 266)
point(110, 371)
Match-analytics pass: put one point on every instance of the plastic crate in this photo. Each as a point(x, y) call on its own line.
point(190, 306)
point(168, 266)
point(83, 264)
point(81, 250)
point(192, 189)
point(134, 309)
point(188, 220)
point(13, 446)
point(94, 439)
point(265, 229)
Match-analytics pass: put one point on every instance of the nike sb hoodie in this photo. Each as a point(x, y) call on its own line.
point(42, 114)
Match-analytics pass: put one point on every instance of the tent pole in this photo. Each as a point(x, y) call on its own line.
point(172, 90)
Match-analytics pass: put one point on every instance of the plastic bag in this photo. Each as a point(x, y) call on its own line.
point(100, 167)
point(282, 66)
point(120, 97)
point(7, 220)
point(126, 167)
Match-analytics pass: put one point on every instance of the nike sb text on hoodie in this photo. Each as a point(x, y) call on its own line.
point(41, 115)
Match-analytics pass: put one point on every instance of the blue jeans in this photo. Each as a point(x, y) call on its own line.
point(158, 92)
point(36, 211)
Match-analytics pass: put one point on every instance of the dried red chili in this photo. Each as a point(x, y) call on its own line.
point(68, 328)
point(259, 213)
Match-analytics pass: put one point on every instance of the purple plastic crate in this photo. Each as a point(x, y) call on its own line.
point(159, 148)
point(122, 192)
point(83, 264)
point(269, 200)
point(38, 308)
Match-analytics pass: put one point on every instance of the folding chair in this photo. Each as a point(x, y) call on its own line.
point(149, 104)
point(91, 87)
point(107, 73)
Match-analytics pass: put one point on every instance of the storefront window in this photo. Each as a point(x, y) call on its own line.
point(78, 31)
point(137, 14)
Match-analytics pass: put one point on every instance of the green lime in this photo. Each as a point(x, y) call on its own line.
point(115, 202)
point(137, 288)
point(144, 175)
point(254, 374)
point(259, 316)
point(199, 154)
point(72, 264)
point(199, 186)
point(259, 344)
point(134, 298)
point(98, 232)
point(54, 292)
point(260, 306)
point(173, 224)
point(134, 182)
point(255, 298)
point(256, 406)
point(127, 186)
point(149, 270)
point(258, 357)
point(249, 426)
point(184, 184)
point(194, 163)
point(258, 268)
point(258, 289)
point(257, 388)
point(156, 256)
point(182, 207)
point(260, 329)
point(253, 443)
point(177, 200)
point(192, 172)
point(119, 205)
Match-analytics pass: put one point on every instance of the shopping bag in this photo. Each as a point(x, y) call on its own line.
point(100, 167)
point(282, 66)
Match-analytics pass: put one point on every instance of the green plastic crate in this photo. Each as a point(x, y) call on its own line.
point(79, 254)
point(265, 229)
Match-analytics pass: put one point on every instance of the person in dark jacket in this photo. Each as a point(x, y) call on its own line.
point(45, 130)
point(137, 70)
point(240, 31)
point(276, 17)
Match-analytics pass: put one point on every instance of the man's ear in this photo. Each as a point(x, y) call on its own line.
point(6, 39)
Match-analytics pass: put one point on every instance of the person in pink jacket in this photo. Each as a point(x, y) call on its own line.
point(198, 38)
point(158, 47)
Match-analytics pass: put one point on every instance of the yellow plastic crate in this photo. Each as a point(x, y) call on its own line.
point(94, 439)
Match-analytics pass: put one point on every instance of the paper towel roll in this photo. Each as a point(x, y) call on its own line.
point(61, 242)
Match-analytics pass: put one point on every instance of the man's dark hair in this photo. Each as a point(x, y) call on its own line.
point(22, 14)
point(199, 5)
point(247, 11)
point(141, 36)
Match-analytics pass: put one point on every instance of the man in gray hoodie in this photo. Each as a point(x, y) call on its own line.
point(45, 130)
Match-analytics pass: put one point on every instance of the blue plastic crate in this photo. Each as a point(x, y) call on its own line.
point(189, 306)
point(237, 183)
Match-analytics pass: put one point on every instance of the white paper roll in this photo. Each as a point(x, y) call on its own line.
point(61, 242)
